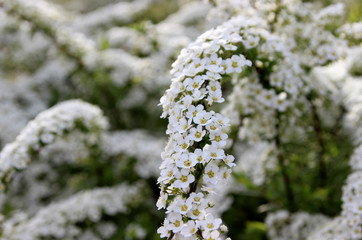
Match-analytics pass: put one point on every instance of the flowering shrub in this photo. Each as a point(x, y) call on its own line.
point(262, 116)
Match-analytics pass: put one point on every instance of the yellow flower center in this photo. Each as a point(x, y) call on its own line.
point(198, 135)
point(184, 208)
point(196, 212)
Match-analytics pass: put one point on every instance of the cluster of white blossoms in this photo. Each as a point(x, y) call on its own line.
point(305, 26)
point(117, 13)
point(139, 144)
point(257, 159)
point(74, 44)
point(16, 114)
point(44, 129)
point(59, 220)
point(306, 41)
point(283, 225)
point(50, 22)
point(352, 30)
point(301, 38)
point(195, 152)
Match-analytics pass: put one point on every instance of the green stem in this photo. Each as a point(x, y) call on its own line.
point(317, 126)
point(283, 166)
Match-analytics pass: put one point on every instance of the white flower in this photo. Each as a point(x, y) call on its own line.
point(203, 118)
point(213, 151)
point(173, 222)
point(181, 206)
point(282, 102)
point(229, 160)
point(197, 133)
point(251, 42)
point(199, 156)
point(195, 83)
point(161, 202)
point(182, 144)
point(218, 138)
point(196, 212)
point(192, 111)
point(211, 172)
point(197, 198)
point(183, 179)
point(213, 235)
point(162, 231)
point(210, 223)
point(236, 63)
point(213, 76)
point(190, 228)
point(182, 125)
point(167, 173)
point(214, 87)
point(215, 97)
point(224, 174)
point(213, 63)
point(185, 161)
point(47, 138)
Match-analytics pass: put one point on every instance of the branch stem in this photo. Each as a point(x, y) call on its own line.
point(317, 126)
point(283, 166)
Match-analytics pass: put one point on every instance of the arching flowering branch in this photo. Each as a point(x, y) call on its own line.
point(46, 18)
point(59, 220)
point(195, 153)
point(43, 130)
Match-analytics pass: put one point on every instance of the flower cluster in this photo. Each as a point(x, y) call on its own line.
point(50, 23)
point(257, 159)
point(198, 136)
point(120, 13)
point(17, 115)
point(283, 225)
point(58, 220)
point(138, 144)
point(43, 130)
